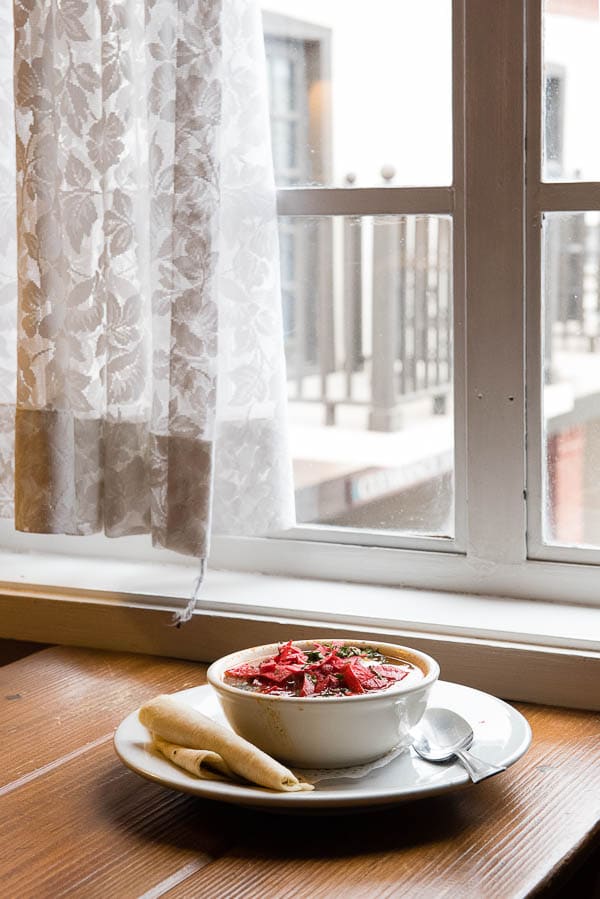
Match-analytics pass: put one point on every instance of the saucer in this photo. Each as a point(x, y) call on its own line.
point(501, 736)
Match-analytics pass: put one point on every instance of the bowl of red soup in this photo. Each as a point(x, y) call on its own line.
point(324, 703)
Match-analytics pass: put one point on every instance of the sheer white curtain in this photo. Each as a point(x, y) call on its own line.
point(142, 382)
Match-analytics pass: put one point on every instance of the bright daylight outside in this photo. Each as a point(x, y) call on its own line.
point(367, 301)
point(571, 278)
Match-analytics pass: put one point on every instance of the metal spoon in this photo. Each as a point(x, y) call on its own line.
point(442, 735)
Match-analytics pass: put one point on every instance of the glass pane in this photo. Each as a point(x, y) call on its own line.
point(285, 150)
point(571, 78)
point(571, 397)
point(368, 318)
point(371, 86)
point(282, 82)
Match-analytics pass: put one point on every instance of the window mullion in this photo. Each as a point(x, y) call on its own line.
point(494, 205)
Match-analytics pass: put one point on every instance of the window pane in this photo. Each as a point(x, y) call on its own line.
point(571, 78)
point(368, 318)
point(368, 87)
point(571, 399)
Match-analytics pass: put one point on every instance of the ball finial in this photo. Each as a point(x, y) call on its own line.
point(388, 172)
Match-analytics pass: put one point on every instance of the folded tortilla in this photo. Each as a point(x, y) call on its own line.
point(185, 728)
point(201, 762)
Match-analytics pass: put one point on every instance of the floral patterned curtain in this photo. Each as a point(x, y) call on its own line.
point(147, 391)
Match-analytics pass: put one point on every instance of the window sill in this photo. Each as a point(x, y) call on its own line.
point(519, 649)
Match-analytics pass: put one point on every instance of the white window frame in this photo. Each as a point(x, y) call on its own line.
point(497, 493)
point(542, 197)
point(385, 201)
point(486, 642)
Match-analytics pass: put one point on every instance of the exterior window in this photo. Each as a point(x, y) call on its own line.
point(367, 299)
point(431, 243)
point(438, 190)
point(567, 436)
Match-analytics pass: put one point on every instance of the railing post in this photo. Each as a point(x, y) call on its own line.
point(401, 342)
point(352, 292)
point(297, 268)
point(443, 315)
point(576, 250)
point(385, 415)
point(594, 264)
point(325, 312)
point(421, 263)
point(552, 307)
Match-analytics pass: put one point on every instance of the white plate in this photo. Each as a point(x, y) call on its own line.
point(502, 736)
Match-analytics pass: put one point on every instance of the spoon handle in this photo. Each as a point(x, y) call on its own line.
point(478, 769)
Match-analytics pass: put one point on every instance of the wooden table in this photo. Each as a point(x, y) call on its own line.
point(75, 822)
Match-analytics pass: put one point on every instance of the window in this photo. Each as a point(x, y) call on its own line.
point(419, 273)
point(413, 426)
point(441, 298)
point(570, 287)
point(410, 250)
point(367, 299)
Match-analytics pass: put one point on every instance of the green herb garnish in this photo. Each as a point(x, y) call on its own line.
point(344, 652)
point(372, 653)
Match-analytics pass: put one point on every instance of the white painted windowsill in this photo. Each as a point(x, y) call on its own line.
point(520, 649)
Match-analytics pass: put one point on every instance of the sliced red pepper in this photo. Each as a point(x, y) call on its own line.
point(290, 673)
point(308, 686)
point(352, 678)
point(391, 672)
point(244, 671)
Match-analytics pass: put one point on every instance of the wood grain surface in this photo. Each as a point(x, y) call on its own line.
point(81, 695)
point(77, 823)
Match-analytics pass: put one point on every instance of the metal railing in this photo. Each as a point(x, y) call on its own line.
point(368, 313)
point(571, 286)
point(369, 308)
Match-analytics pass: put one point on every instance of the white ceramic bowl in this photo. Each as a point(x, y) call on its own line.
point(325, 731)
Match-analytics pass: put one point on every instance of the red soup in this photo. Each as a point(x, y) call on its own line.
point(332, 668)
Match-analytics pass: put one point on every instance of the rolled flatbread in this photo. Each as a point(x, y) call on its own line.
point(178, 723)
point(201, 762)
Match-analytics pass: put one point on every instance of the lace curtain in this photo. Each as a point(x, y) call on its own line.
point(142, 383)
